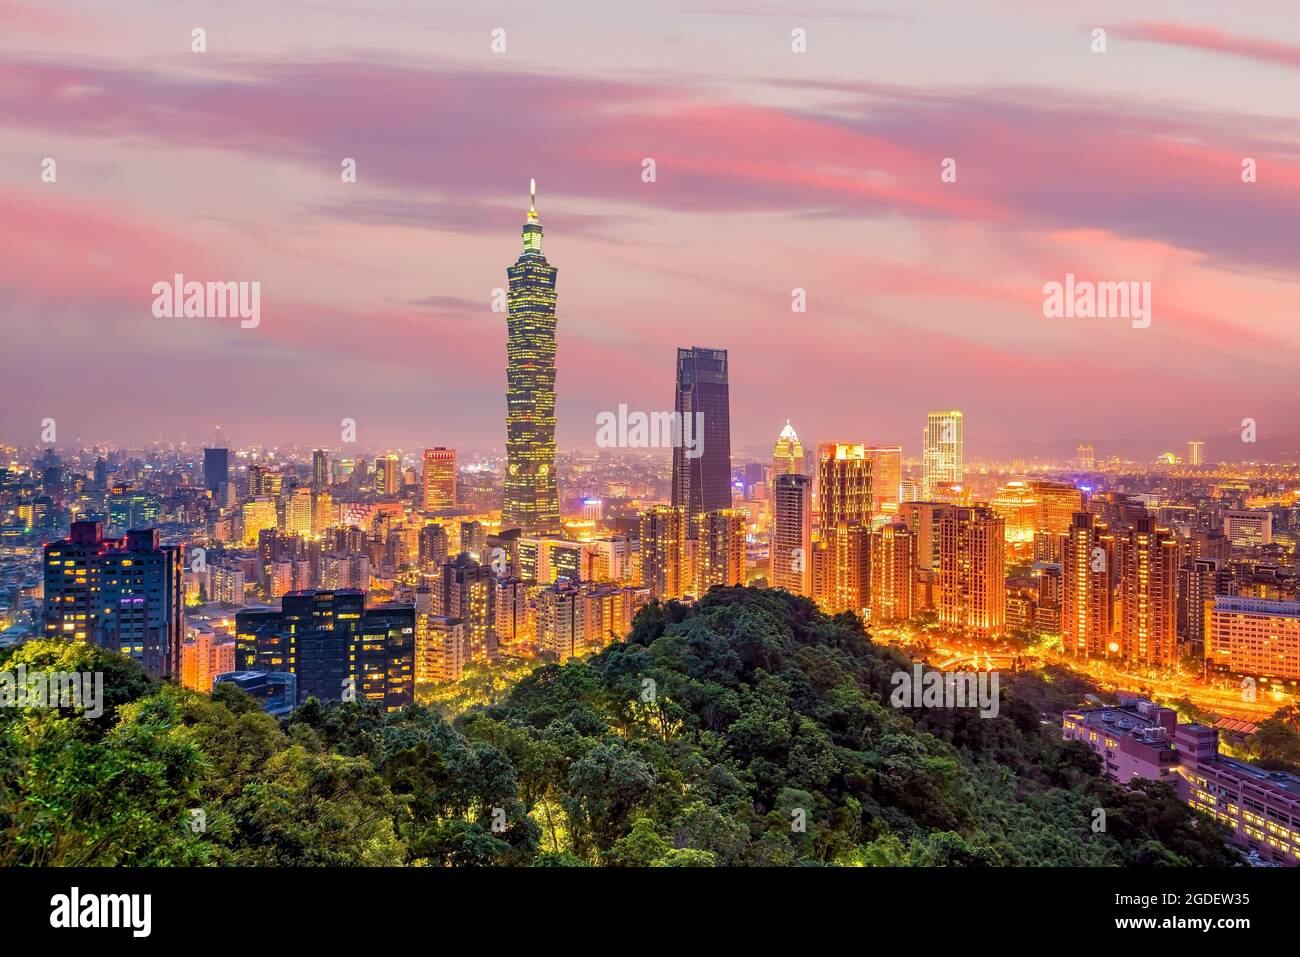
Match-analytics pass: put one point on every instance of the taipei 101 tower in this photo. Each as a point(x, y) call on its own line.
point(531, 501)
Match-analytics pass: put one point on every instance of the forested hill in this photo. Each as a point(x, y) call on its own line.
point(749, 729)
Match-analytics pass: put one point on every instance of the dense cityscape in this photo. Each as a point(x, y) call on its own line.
point(392, 579)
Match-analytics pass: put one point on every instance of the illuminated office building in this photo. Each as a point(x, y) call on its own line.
point(720, 549)
point(790, 548)
point(1088, 589)
point(439, 478)
point(216, 468)
point(1195, 453)
point(972, 588)
point(1085, 457)
point(893, 560)
point(129, 508)
point(1057, 503)
point(702, 476)
point(1253, 636)
point(886, 476)
point(320, 468)
point(332, 643)
point(531, 499)
point(841, 569)
point(663, 542)
point(1018, 506)
point(787, 454)
point(263, 480)
point(548, 560)
point(259, 515)
point(843, 485)
point(1248, 529)
point(942, 444)
point(388, 475)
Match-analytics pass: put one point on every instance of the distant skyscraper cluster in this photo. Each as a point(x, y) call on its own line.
point(376, 575)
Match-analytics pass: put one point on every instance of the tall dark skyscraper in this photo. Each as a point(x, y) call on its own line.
point(531, 500)
point(702, 476)
point(216, 468)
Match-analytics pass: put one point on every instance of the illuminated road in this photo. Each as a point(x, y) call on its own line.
point(1223, 697)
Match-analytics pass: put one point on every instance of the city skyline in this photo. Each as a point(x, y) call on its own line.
point(835, 165)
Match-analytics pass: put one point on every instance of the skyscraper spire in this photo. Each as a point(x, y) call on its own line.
point(532, 228)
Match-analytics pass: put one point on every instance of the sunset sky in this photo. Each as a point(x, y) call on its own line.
point(775, 170)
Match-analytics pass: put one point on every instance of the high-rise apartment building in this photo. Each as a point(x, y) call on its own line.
point(439, 648)
point(719, 549)
point(465, 592)
point(663, 543)
point(923, 519)
point(790, 548)
point(203, 657)
point(439, 478)
point(972, 588)
point(125, 595)
point(531, 499)
point(433, 549)
point(1200, 580)
point(893, 561)
point(1088, 589)
point(942, 456)
point(516, 627)
point(1148, 569)
point(702, 476)
point(298, 513)
point(842, 573)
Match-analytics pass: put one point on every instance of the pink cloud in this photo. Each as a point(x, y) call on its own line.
point(1214, 41)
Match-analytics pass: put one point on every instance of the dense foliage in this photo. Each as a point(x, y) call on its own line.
point(749, 729)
